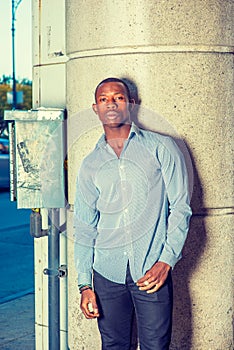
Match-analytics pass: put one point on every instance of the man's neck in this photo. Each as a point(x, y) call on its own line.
point(119, 132)
point(115, 137)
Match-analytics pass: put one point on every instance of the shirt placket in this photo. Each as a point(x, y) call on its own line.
point(123, 166)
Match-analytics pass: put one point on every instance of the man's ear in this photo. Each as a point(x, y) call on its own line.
point(131, 104)
point(95, 109)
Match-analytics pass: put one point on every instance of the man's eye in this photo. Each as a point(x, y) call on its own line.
point(119, 98)
point(103, 99)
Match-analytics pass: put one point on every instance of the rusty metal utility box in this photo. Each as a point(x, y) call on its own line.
point(37, 153)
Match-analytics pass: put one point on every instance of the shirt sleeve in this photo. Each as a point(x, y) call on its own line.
point(176, 181)
point(85, 222)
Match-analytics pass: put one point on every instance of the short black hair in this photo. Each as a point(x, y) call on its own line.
point(115, 80)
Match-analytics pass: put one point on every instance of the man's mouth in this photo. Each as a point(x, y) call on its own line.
point(112, 115)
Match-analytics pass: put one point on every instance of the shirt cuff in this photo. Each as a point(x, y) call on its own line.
point(169, 259)
point(85, 278)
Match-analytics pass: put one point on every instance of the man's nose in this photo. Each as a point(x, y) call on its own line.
point(112, 104)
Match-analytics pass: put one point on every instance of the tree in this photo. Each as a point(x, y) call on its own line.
point(5, 79)
point(24, 85)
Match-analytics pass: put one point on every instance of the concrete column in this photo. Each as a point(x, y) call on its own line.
point(179, 55)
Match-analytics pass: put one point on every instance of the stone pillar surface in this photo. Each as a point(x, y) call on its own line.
point(179, 54)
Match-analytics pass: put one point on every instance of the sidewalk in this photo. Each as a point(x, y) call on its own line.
point(17, 278)
point(17, 328)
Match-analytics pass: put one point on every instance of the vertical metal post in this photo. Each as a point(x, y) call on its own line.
point(14, 98)
point(53, 281)
point(14, 6)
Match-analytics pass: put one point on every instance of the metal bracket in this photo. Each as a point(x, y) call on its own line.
point(39, 234)
point(50, 272)
point(60, 273)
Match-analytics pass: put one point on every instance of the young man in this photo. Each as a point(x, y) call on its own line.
point(131, 220)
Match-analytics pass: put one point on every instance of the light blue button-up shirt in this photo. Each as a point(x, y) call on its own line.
point(133, 208)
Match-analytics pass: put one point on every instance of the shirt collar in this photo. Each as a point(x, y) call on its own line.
point(133, 131)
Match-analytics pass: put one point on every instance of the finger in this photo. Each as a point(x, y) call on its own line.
point(146, 277)
point(155, 288)
point(88, 314)
point(143, 285)
point(89, 311)
point(142, 282)
point(93, 308)
point(148, 281)
point(147, 287)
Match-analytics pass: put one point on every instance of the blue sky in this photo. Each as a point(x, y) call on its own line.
point(23, 44)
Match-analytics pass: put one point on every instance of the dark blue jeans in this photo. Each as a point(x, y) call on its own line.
point(117, 303)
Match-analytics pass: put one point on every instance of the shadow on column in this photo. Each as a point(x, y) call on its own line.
point(182, 333)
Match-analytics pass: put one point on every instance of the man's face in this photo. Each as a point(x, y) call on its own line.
point(112, 104)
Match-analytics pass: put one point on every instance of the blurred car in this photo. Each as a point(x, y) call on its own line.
point(4, 163)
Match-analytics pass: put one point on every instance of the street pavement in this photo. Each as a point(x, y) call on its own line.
point(17, 278)
point(17, 324)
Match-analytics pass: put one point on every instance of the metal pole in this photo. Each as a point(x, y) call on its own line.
point(14, 98)
point(53, 282)
point(14, 7)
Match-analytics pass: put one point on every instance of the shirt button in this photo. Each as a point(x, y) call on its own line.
point(125, 253)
